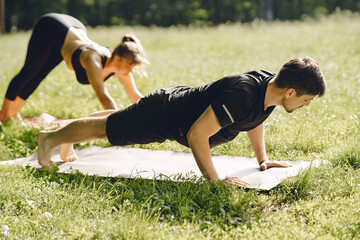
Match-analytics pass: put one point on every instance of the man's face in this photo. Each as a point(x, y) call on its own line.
point(292, 102)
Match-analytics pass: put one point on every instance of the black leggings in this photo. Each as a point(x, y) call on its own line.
point(43, 54)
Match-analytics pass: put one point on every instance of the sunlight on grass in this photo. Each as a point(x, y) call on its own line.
point(318, 203)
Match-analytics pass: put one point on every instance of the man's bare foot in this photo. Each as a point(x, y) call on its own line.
point(45, 151)
point(67, 152)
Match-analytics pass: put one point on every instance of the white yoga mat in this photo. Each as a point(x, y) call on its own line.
point(134, 162)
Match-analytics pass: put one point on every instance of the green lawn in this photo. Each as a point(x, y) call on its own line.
point(318, 204)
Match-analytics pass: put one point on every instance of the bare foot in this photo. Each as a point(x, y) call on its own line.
point(45, 151)
point(67, 152)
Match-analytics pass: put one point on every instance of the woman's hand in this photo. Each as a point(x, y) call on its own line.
point(269, 164)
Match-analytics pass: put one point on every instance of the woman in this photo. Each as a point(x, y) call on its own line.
point(58, 37)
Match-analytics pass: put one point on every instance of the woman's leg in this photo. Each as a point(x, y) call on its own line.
point(21, 90)
point(80, 130)
point(53, 59)
point(11, 108)
point(38, 52)
point(6, 111)
point(18, 103)
point(42, 56)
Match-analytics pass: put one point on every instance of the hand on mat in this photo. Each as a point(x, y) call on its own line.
point(269, 164)
point(235, 182)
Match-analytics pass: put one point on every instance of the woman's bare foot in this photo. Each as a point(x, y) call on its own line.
point(45, 151)
point(67, 152)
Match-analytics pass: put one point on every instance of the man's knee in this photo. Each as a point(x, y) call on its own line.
point(100, 126)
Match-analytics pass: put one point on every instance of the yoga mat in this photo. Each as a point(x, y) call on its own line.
point(150, 164)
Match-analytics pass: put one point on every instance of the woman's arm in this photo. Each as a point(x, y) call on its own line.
point(130, 87)
point(92, 64)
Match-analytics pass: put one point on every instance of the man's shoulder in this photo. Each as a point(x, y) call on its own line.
point(252, 85)
point(258, 79)
point(260, 75)
point(257, 75)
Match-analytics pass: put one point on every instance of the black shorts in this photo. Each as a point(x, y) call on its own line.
point(141, 123)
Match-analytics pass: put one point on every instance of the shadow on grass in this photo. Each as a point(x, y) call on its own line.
point(295, 188)
point(339, 178)
point(348, 157)
point(192, 200)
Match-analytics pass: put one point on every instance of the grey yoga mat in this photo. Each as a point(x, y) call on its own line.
point(150, 164)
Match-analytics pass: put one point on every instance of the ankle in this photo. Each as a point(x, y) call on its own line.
point(44, 139)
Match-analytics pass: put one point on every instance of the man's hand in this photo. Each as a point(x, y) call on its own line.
point(269, 164)
point(235, 182)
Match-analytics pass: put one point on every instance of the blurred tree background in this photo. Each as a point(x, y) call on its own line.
point(22, 14)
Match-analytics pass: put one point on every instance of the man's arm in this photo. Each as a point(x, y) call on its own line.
point(256, 137)
point(198, 138)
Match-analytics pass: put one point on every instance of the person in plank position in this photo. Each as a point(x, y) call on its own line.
point(58, 37)
point(198, 117)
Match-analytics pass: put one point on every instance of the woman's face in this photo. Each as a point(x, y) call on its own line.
point(122, 66)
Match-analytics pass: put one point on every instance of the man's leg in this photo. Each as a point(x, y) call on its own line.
point(77, 131)
point(102, 113)
point(67, 152)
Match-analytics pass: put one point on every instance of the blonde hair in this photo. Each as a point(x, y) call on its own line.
point(130, 48)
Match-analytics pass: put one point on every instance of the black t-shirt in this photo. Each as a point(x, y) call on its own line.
point(238, 103)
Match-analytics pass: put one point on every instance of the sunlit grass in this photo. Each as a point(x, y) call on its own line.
point(319, 203)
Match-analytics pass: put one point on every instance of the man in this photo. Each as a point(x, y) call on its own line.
point(200, 117)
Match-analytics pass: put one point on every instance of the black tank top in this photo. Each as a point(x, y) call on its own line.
point(78, 68)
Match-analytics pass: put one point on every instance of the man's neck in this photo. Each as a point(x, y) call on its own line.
point(273, 95)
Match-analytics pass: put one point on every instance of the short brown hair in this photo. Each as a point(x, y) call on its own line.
point(302, 74)
point(130, 48)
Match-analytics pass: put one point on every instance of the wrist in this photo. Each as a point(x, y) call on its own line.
point(262, 161)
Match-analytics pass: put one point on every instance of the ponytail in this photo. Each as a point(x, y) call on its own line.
point(130, 48)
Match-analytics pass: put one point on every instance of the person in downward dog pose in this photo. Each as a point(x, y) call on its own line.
point(199, 117)
point(58, 37)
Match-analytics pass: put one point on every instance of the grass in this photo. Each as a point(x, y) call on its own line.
point(321, 203)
